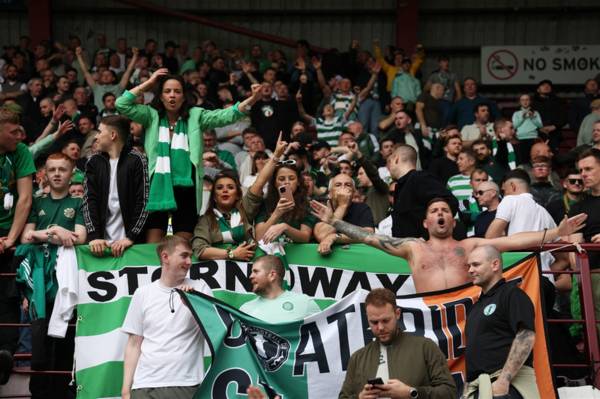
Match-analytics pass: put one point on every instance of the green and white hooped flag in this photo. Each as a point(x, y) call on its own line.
point(303, 359)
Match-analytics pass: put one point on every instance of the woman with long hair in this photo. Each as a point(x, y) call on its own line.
point(285, 215)
point(174, 147)
point(229, 216)
point(259, 160)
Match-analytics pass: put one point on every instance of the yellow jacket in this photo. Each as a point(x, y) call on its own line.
point(391, 70)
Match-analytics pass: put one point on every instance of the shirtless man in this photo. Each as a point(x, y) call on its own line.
point(441, 262)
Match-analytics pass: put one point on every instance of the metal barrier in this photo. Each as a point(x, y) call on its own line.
point(584, 273)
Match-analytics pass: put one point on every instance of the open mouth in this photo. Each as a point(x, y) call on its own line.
point(441, 222)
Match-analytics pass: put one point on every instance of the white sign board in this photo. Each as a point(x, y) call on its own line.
point(569, 64)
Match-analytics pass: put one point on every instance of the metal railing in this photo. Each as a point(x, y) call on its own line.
point(584, 279)
point(584, 273)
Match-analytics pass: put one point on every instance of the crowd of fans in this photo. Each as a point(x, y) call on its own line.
point(227, 147)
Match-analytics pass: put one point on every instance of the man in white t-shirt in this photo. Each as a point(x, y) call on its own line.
point(274, 304)
point(163, 356)
point(519, 212)
point(482, 128)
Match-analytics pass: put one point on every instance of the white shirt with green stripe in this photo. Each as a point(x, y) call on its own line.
point(341, 103)
point(460, 186)
point(329, 130)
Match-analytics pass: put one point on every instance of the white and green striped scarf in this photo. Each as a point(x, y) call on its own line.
point(173, 166)
point(460, 186)
point(512, 157)
point(232, 230)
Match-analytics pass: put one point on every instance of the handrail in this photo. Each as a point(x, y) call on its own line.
point(586, 294)
point(218, 25)
point(589, 319)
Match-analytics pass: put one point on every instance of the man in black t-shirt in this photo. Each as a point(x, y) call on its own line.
point(270, 116)
point(341, 191)
point(589, 166)
point(500, 331)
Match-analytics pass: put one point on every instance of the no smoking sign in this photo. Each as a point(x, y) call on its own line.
point(502, 65)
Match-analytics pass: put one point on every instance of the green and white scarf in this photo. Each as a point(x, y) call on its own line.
point(232, 230)
point(173, 166)
point(512, 157)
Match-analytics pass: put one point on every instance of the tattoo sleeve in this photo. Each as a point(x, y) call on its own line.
point(386, 243)
point(519, 352)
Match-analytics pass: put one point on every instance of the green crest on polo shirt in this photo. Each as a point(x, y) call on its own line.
point(69, 213)
point(287, 306)
point(489, 309)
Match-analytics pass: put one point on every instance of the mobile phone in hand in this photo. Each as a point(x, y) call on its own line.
point(286, 192)
point(376, 381)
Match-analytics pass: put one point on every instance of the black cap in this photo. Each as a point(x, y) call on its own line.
point(548, 81)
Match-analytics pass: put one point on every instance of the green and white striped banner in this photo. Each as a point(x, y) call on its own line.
point(107, 284)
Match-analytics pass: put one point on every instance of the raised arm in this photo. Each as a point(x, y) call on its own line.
point(130, 68)
point(84, 68)
point(535, 238)
point(379, 56)
point(370, 169)
point(126, 104)
point(401, 247)
point(149, 84)
point(374, 74)
point(266, 173)
point(246, 69)
point(321, 78)
point(301, 111)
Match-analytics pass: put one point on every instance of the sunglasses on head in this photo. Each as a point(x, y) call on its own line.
point(576, 181)
point(286, 162)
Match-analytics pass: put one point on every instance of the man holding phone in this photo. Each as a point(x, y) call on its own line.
point(396, 364)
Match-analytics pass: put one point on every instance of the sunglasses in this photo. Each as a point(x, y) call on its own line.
point(480, 192)
point(287, 162)
point(576, 181)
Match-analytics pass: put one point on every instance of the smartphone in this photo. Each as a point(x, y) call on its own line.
point(375, 381)
point(285, 192)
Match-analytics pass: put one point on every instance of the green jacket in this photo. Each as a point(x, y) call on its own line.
point(414, 360)
point(36, 276)
point(198, 121)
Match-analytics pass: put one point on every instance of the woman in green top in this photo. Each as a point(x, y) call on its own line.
point(229, 216)
point(174, 147)
point(282, 216)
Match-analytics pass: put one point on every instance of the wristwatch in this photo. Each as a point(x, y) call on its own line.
point(230, 254)
point(413, 393)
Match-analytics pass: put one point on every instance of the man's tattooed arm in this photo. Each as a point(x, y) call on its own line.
point(519, 352)
point(394, 246)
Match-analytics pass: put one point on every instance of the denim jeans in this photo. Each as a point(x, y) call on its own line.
point(369, 114)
